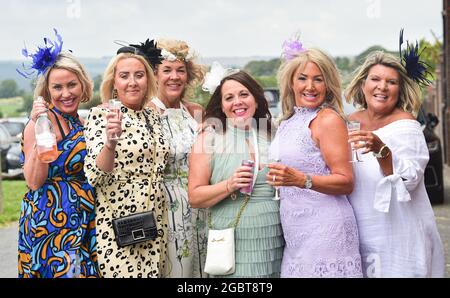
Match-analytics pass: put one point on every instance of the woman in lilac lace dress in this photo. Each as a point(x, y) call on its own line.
point(314, 173)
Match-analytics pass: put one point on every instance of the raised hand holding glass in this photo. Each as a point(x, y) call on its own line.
point(277, 188)
point(114, 106)
point(354, 126)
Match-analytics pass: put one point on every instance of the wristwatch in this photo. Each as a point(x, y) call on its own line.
point(383, 153)
point(308, 182)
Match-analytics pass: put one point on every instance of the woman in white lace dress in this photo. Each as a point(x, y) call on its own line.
point(177, 76)
point(398, 233)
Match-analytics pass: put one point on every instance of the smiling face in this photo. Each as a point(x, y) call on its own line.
point(381, 89)
point(308, 86)
point(238, 104)
point(130, 81)
point(172, 78)
point(65, 90)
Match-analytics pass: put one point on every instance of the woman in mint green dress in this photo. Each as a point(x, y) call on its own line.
point(240, 130)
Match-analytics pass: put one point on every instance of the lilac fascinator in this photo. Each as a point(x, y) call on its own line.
point(291, 48)
point(44, 57)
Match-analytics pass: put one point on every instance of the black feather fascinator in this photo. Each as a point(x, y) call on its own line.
point(416, 69)
point(146, 49)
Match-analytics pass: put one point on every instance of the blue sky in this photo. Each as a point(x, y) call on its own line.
point(217, 27)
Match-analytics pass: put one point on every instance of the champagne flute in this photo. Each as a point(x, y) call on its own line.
point(354, 126)
point(277, 188)
point(114, 106)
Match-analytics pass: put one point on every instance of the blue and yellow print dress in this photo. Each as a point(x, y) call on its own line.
point(57, 221)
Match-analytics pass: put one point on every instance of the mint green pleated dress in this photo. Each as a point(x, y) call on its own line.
point(258, 237)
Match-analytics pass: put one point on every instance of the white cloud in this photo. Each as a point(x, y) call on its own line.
point(218, 27)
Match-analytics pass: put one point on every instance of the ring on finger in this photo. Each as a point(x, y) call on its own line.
point(273, 178)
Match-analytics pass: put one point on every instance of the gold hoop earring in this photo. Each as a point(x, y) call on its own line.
point(115, 93)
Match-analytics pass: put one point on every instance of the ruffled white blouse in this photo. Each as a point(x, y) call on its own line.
point(398, 232)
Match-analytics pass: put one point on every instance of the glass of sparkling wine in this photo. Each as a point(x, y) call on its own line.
point(114, 106)
point(277, 188)
point(354, 126)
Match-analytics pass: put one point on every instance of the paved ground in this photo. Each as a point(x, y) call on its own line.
point(8, 251)
point(442, 213)
point(8, 236)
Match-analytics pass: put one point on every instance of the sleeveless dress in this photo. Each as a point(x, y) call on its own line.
point(187, 240)
point(258, 236)
point(134, 186)
point(319, 229)
point(57, 221)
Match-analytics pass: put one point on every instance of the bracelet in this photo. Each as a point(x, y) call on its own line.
point(233, 195)
point(380, 155)
point(228, 190)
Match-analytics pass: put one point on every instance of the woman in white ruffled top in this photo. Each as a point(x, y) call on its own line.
point(397, 228)
point(177, 77)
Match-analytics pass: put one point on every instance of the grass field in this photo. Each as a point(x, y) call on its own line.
point(13, 191)
point(9, 106)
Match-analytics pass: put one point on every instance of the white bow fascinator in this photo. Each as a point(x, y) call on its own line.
point(215, 75)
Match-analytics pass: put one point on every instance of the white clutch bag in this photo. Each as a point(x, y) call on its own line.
point(220, 256)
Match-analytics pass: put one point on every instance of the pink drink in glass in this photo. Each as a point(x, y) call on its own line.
point(247, 190)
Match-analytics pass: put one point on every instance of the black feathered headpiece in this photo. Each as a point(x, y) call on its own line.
point(416, 69)
point(146, 49)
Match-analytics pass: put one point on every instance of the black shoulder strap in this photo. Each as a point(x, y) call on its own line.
point(61, 130)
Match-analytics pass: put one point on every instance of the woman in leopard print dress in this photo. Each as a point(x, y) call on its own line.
point(127, 173)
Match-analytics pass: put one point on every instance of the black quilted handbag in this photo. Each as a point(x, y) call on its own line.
point(134, 228)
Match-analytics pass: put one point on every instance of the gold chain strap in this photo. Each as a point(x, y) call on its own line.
point(154, 172)
point(247, 197)
point(238, 217)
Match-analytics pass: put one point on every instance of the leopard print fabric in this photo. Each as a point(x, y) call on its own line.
point(135, 185)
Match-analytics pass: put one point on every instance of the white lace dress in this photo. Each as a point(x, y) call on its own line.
point(187, 226)
point(397, 228)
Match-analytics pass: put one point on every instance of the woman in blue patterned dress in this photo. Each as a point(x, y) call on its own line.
point(56, 225)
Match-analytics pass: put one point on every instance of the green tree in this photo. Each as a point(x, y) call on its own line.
point(201, 97)
point(9, 88)
point(431, 54)
point(263, 68)
point(344, 64)
point(95, 101)
point(27, 103)
point(267, 81)
point(361, 57)
point(97, 82)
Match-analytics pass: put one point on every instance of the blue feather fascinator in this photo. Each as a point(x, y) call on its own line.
point(44, 57)
point(416, 69)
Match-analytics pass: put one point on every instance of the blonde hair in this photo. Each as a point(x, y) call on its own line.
point(330, 74)
point(107, 86)
point(195, 71)
point(409, 91)
point(70, 63)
